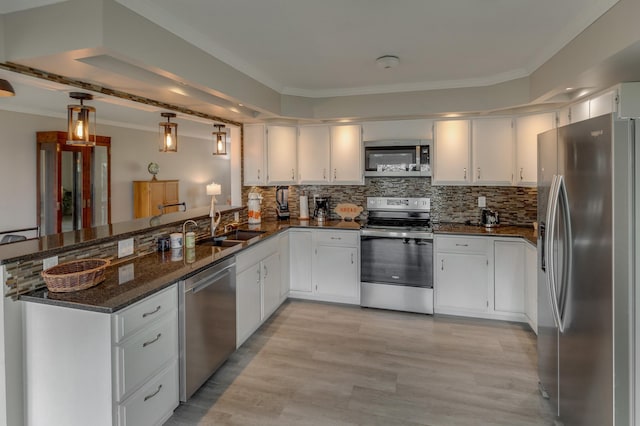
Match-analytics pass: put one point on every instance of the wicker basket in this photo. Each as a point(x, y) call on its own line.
point(75, 275)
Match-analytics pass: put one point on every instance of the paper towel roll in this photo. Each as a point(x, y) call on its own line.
point(304, 207)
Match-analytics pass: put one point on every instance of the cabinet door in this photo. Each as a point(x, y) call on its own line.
point(284, 265)
point(156, 198)
point(461, 281)
point(336, 272)
point(300, 250)
point(451, 152)
point(580, 111)
point(509, 276)
point(314, 152)
point(346, 155)
point(531, 286)
point(281, 154)
point(397, 129)
point(492, 141)
point(171, 192)
point(248, 306)
point(254, 154)
point(527, 130)
point(602, 104)
point(270, 285)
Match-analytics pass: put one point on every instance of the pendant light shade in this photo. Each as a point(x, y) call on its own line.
point(168, 134)
point(81, 121)
point(6, 89)
point(220, 140)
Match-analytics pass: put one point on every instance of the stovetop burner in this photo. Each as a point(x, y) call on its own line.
point(406, 214)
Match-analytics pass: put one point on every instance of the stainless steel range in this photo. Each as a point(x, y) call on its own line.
point(397, 255)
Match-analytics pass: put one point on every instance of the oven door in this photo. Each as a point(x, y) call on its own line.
point(396, 259)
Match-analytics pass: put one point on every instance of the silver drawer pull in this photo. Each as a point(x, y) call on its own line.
point(462, 245)
point(145, 344)
point(146, 314)
point(336, 238)
point(153, 394)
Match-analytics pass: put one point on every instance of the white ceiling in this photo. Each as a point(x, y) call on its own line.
point(328, 48)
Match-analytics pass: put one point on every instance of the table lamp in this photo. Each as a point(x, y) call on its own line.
point(214, 189)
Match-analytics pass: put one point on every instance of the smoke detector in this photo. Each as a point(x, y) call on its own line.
point(388, 61)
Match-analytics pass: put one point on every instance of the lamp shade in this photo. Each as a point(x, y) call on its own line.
point(6, 89)
point(168, 137)
point(81, 121)
point(214, 189)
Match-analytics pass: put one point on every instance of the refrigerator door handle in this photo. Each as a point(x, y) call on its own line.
point(552, 210)
point(565, 277)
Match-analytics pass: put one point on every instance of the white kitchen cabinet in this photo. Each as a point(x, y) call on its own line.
point(509, 276)
point(461, 283)
point(564, 116)
point(282, 155)
point(527, 130)
point(254, 158)
point(111, 369)
point(257, 286)
point(314, 154)
point(397, 129)
point(300, 249)
point(452, 153)
point(346, 155)
point(604, 103)
point(285, 266)
point(531, 286)
point(493, 151)
point(580, 111)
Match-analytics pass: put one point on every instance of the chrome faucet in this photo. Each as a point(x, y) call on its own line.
point(184, 229)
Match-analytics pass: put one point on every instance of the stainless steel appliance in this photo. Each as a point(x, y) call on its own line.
point(490, 218)
point(321, 210)
point(282, 202)
point(207, 324)
point(397, 158)
point(396, 251)
point(585, 270)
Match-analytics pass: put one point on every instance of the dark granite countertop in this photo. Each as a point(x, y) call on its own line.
point(156, 271)
point(525, 232)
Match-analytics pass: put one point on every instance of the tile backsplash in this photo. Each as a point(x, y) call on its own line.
point(516, 205)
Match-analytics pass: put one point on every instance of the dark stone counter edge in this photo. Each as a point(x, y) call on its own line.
point(27, 250)
point(274, 228)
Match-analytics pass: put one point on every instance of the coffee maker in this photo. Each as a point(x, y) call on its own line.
point(282, 202)
point(321, 208)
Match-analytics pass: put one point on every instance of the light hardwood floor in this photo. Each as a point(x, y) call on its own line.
point(324, 364)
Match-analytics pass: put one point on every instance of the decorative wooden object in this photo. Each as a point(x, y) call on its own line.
point(148, 195)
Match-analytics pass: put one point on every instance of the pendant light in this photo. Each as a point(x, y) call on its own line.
point(81, 121)
point(6, 89)
point(220, 138)
point(168, 134)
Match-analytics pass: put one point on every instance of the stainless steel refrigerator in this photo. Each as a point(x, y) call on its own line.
point(585, 270)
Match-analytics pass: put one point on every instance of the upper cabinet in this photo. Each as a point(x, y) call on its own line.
point(314, 154)
point(492, 142)
point(452, 149)
point(281, 155)
point(527, 130)
point(346, 155)
point(398, 129)
point(602, 104)
point(255, 161)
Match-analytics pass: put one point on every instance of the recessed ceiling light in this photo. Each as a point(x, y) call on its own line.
point(568, 89)
point(240, 104)
point(388, 61)
point(234, 109)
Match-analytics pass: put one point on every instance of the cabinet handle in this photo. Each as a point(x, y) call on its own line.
point(478, 173)
point(521, 170)
point(465, 173)
point(266, 271)
point(352, 258)
point(153, 394)
point(462, 245)
point(146, 314)
point(258, 272)
point(335, 172)
point(324, 173)
point(336, 238)
point(145, 344)
point(258, 174)
point(442, 264)
point(293, 174)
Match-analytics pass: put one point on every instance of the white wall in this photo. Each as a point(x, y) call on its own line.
point(131, 152)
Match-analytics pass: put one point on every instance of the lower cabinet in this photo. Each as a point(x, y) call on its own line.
point(109, 369)
point(325, 265)
point(258, 286)
point(531, 286)
point(484, 277)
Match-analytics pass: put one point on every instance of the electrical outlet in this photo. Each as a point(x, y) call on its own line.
point(125, 273)
point(482, 201)
point(49, 262)
point(236, 216)
point(125, 247)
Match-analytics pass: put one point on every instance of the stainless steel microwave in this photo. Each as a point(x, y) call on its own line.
point(404, 157)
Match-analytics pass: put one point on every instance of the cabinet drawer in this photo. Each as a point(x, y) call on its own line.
point(154, 402)
point(338, 238)
point(462, 244)
point(252, 255)
point(144, 312)
point(139, 357)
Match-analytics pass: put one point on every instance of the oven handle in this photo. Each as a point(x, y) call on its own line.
point(395, 234)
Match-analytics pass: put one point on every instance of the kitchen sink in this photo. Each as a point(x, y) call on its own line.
point(218, 242)
point(243, 234)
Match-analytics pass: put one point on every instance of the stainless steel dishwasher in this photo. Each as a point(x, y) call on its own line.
point(207, 324)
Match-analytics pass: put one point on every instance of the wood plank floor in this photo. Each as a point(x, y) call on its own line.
point(324, 364)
